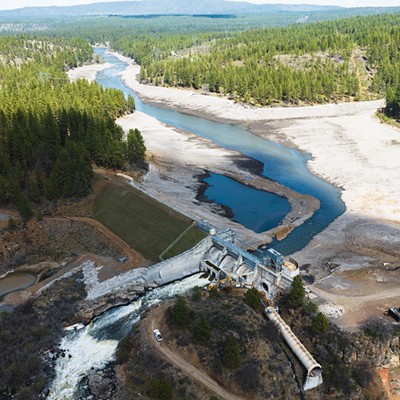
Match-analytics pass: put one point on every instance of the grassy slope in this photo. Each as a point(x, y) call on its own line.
point(146, 225)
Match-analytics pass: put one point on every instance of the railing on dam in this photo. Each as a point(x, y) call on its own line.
point(249, 259)
point(226, 239)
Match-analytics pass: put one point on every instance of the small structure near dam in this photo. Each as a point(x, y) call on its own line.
point(228, 256)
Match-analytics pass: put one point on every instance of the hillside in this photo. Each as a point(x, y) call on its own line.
point(224, 347)
point(263, 370)
point(149, 7)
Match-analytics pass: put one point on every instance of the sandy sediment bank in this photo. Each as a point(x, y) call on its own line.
point(350, 148)
point(222, 109)
point(178, 158)
point(87, 72)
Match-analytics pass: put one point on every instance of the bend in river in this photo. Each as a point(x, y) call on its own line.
point(285, 165)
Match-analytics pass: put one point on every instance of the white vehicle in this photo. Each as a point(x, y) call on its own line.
point(157, 335)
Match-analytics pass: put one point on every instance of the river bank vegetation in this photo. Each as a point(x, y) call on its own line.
point(348, 59)
point(262, 60)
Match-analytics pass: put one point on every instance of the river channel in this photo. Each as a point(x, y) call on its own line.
point(283, 164)
point(93, 346)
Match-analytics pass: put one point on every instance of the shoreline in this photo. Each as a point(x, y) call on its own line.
point(334, 135)
point(219, 108)
point(350, 149)
point(87, 72)
point(178, 158)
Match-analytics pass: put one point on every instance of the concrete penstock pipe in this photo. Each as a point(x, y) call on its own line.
point(314, 370)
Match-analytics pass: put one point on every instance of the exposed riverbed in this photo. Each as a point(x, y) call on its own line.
point(283, 164)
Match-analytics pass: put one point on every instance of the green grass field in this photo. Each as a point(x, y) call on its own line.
point(146, 225)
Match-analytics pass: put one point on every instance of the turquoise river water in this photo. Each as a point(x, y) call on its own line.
point(283, 164)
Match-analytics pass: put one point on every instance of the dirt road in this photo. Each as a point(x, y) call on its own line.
point(20, 296)
point(112, 268)
point(179, 362)
point(109, 268)
point(361, 308)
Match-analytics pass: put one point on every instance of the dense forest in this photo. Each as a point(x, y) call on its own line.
point(52, 130)
point(289, 58)
point(264, 59)
point(354, 59)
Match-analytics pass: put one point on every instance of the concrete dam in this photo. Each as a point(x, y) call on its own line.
point(223, 255)
point(226, 258)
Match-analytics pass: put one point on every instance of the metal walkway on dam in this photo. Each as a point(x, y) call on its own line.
point(229, 256)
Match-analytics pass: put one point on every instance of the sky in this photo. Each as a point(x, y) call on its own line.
point(12, 4)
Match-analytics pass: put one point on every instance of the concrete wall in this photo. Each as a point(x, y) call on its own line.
point(180, 266)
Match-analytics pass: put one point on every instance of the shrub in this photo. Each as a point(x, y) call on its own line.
point(310, 308)
point(196, 293)
point(160, 389)
point(248, 376)
point(252, 298)
point(202, 330)
point(378, 330)
point(320, 323)
point(180, 315)
point(39, 215)
point(11, 225)
point(231, 353)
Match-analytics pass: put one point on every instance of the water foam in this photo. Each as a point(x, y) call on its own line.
point(94, 346)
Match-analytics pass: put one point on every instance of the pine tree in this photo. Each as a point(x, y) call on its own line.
point(297, 292)
point(252, 298)
point(202, 330)
point(180, 312)
point(136, 149)
point(231, 353)
point(320, 323)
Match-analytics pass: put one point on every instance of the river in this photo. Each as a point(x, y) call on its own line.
point(283, 164)
point(94, 346)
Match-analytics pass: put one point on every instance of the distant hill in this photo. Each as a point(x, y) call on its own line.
point(164, 7)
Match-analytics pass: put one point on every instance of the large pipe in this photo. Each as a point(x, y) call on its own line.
point(314, 370)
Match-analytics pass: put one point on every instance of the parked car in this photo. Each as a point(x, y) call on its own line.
point(157, 335)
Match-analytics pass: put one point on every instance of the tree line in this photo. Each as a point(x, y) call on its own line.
point(313, 63)
point(52, 130)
